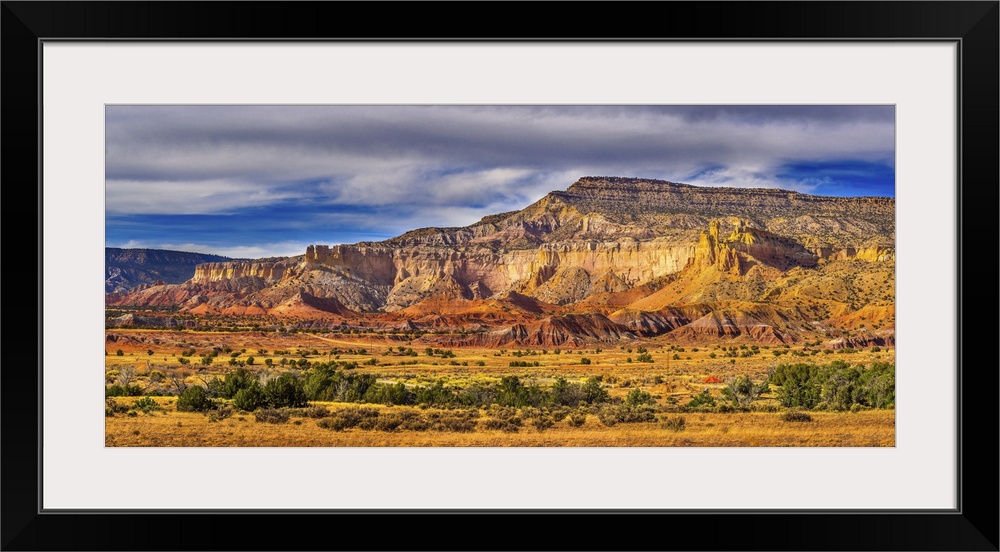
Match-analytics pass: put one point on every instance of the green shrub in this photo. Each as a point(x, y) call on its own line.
point(250, 399)
point(840, 387)
point(387, 422)
point(221, 413)
point(638, 397)
point(194, 399)
point(594, 392)
point(702, 399)
point(335, 423)
point(511, 392)
point(509, 425)
point(116, 390)
point(741, 391)
point(542, 423)
point(622, 413)
point(456, 423)
point(878, 384)
point(837, 385)
point(674, 424)
point(505, 412)
point(796, 416)
point(348, 418)
point(566, 393)
point(285, 390)
point(415, 424)
point(271, 416)
point(389, 394)
point(324, 383)
point(146, 405)
point(112, 407)
point(237, 380)
point(530, 413)
point(800, 385)
point(577, 419)
point(317, 411)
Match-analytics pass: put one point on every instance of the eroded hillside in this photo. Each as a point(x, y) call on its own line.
point(605, 260)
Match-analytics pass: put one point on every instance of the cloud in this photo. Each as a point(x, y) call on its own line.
point(348, 170)
point(277, 249)
point(191, 197)
point(274, 145)
point(745, 177)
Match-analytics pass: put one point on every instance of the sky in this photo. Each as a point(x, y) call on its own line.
point(259, 181)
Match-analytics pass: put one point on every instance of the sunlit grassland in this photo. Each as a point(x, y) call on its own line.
point(872, 428)
point(676, 374)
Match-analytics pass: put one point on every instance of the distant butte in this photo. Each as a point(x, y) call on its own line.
point(608, 259)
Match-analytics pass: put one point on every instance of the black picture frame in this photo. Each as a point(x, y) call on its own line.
point(973, 525)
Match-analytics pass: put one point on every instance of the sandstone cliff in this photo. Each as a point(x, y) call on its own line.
point(602, 244)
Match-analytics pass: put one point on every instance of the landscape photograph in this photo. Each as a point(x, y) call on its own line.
point(500, 276)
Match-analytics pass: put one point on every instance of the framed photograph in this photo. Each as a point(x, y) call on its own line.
point(100, 100)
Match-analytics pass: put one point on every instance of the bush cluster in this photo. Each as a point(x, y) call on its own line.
point(371, 419)
point(836, 386)
point(324, 382)
point(146, 405)
point(508, 425)
point(796, 416)
point(677, 423)
point(221, 412)
point(701, 400)
point(112, 407)
point(246, 392)
point(272, 415)
point(194, 399)
point(116, 390)
point(624, 414)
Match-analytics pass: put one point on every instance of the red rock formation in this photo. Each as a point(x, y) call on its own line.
point(671, 254)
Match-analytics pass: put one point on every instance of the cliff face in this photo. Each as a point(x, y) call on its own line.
point(269, 271)
point(128, 268)
point(781, 211)
point(603, 241)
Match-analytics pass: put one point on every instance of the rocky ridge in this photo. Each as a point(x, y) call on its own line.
point(647, 257)
point(128, 268)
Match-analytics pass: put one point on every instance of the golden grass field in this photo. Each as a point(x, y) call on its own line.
point(675, 375)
